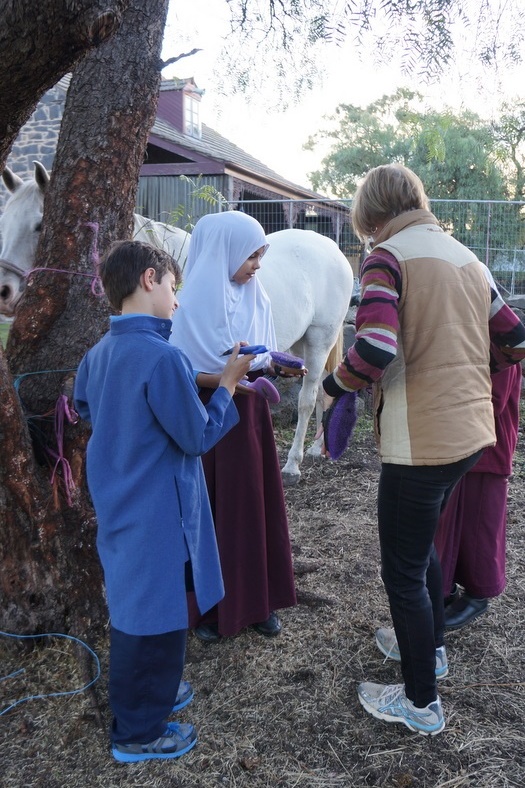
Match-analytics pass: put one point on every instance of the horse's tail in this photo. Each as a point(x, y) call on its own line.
point(336, 353)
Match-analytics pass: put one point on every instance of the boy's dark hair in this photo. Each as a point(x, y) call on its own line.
point(121, 267)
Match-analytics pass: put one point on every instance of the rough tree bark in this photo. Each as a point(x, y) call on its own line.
point(51, 580)
point(40, 42)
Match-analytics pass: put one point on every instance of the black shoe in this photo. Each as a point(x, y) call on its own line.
point(453, 596)
point(270, 627)
point(464, 610)
point(209, 633)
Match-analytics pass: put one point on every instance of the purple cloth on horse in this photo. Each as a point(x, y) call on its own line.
point(339, 422)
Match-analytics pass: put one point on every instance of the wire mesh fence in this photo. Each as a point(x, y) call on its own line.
point(494, 230)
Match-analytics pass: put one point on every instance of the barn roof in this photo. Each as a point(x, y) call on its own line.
point(215, 146)
point(214, 153)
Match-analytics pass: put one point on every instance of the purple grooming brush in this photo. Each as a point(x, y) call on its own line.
point(286, 363)
point(339, 422)
point(265, 388)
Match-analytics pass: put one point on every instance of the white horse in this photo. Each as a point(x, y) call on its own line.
point(309, 282)
point(20, 226)
point(308, 279)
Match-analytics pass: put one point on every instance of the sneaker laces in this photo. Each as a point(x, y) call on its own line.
point(391, 694)
point(174, 731)
point(393, 700)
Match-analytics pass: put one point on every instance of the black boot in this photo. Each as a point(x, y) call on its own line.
point(454, 594)
point(270, 627)
point(464, 610)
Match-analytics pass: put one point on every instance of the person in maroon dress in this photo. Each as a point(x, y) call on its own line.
point(470, 540)
point(222, 302)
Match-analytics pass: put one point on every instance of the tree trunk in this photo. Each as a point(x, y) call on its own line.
point(48, 543)
point(40, 42)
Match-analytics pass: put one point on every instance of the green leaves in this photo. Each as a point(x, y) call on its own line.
point(457, 155)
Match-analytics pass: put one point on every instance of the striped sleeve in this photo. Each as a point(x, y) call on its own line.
point(507, 335)
point(377, 325)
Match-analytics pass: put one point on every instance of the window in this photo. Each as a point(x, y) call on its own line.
point(192, 125)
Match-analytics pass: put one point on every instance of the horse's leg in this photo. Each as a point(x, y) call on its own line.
point(317, 446)
point(315, 349)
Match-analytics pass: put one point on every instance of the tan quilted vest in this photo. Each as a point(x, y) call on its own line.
point(433, 403)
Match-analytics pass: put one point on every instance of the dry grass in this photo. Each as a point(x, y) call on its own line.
point(284, 712)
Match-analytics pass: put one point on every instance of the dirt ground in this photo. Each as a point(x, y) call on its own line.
point(284, 712)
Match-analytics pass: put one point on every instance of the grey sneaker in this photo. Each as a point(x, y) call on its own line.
point(177, 739)
point(184, 695)
point(388, 702)
point(386, 642)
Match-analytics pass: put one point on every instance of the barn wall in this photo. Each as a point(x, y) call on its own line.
point(177, 200)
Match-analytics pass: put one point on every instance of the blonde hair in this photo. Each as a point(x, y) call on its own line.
point(385, 192)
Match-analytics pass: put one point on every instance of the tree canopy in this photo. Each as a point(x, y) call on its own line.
point(509, 131)
point(457, 155)
point(282, 39)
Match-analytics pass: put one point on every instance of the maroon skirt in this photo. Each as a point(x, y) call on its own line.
point(246, 495)
point(471, 535)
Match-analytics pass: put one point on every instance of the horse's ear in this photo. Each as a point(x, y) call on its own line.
point(41, 176)
point(11, 180)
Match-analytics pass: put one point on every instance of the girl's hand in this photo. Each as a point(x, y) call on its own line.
point(240, 388)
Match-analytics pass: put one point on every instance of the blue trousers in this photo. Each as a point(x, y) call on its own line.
point(144, 676)
point(410, 499)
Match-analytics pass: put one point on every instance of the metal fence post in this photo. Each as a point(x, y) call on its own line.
point(487, 245)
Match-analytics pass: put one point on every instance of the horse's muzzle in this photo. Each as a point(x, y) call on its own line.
point(7, 302)
point(12, 285)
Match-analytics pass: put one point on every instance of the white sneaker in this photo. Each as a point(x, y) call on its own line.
point(386, 642)
point(388, 702)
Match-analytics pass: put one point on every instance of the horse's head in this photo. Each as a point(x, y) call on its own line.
point(20, 228)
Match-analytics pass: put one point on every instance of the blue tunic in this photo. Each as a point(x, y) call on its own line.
point(145, 475)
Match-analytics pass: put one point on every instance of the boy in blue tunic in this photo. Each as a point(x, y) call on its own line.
point(155, 538)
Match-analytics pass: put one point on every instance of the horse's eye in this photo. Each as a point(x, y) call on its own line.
point(38, 227)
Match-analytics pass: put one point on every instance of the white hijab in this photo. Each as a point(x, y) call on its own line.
point(215, 312)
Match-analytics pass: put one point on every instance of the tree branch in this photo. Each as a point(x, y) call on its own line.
point(164, 63)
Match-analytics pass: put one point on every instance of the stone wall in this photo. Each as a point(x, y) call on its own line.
point(38, 139)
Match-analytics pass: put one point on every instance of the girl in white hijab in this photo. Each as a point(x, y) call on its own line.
point(216, 310)
point(222, 302)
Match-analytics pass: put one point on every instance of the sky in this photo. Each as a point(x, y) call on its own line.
point(350, 76)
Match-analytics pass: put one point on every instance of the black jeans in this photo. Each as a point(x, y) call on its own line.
point(144, 677)
point(410, 500)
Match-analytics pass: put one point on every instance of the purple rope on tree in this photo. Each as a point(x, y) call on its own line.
point(63, 412)
point(96, 282)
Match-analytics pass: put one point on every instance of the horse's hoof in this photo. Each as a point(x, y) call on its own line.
point(314, 451)
point(290, 479)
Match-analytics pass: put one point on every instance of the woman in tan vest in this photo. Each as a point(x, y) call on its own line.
point(426, 327)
